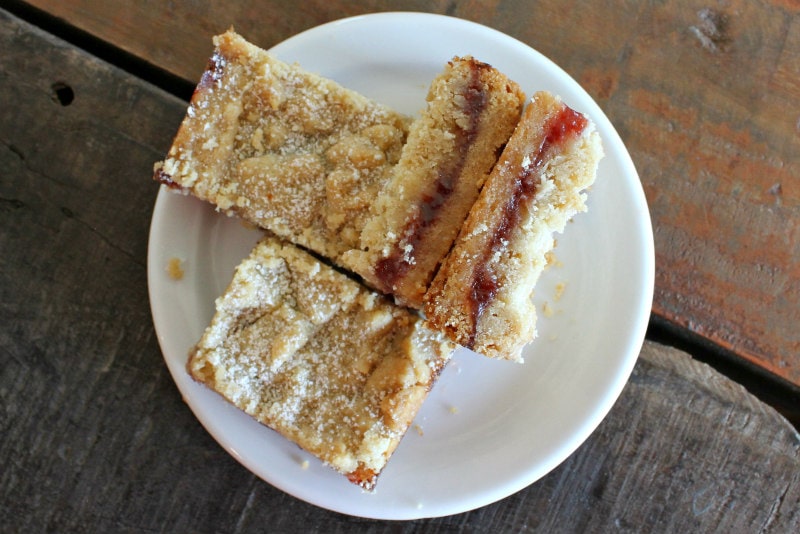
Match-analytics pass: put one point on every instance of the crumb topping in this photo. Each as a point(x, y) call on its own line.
point(289, 151)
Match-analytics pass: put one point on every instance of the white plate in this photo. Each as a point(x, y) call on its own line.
point(489, 428)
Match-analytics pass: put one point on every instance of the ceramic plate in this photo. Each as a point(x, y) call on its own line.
point(488, 428)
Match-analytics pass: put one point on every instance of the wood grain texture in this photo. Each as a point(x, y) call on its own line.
point(97, 439)
point(703, 93)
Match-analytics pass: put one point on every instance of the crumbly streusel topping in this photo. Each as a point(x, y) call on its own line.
point(288, 150)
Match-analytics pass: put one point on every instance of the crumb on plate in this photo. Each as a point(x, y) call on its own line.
point(175, 268)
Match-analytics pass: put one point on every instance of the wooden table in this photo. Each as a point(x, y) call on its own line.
point(95, 435)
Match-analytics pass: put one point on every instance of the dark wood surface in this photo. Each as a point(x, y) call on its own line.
point(97, 439)
point(703, 94)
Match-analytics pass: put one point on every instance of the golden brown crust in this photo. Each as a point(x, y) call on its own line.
point(333, 367)
point(481, 296)
point(472, 110)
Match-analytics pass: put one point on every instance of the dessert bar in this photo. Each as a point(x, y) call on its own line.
point(285, 149)
point(330, 365)
point(481, 296)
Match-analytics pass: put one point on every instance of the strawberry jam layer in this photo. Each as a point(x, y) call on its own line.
point(167, 180)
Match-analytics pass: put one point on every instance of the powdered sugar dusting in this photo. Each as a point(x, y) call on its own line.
point(303, 349)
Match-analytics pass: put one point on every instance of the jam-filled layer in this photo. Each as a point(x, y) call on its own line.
point(213, 73)
point(364, 477)
point(167, 180)
point(392, 268)
point(560, 127)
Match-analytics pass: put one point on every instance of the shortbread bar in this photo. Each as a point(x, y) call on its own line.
point(336, 368)
point(471, 111)
point(287, 150)
point(481, 297)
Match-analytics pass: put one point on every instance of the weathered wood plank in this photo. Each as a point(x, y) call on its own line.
point(97, 439)
point(705, 96)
